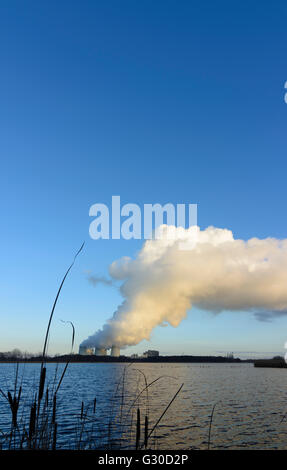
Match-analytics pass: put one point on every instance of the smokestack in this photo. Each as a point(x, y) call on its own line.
point(115, 352)
point(100, 352)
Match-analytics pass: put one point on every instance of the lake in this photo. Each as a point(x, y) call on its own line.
point(249, 404)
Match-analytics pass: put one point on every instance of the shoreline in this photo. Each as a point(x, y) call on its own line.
point(87, 359)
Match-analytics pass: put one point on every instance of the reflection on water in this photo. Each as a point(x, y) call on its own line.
point(250, 402)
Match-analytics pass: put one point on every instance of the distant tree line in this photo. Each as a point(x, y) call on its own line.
point(17, 354)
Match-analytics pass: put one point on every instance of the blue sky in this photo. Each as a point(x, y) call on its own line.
point(164, 101)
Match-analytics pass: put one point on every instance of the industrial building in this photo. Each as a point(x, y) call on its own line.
point(83, 350)
point(151, 353)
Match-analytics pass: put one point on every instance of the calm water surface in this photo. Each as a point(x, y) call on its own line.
point(250, 402)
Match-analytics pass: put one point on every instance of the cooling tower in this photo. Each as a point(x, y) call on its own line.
point(115, 352)
point(83, 350)
point(100, 352)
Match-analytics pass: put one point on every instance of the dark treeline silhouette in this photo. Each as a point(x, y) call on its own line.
point(276, 361)
point(9, 357)
point(16, 354)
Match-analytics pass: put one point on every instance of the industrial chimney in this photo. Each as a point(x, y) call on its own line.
point(115, 352)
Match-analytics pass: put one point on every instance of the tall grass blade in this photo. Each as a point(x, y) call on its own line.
point(55, 303)
point(14, 404)
point(210, 424)
point(69, 360)
point(54, 437)
point(146, 431)
point(162, 415)
point(138, 433)
point(54, 408)
point(47, 398)
point(42, 383)
point(32, 423)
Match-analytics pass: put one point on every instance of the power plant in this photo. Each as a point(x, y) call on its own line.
point(115, 351)
point(86, 351)
point(83, 350)
point(100, 352)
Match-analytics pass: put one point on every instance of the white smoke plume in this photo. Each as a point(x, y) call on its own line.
point(219, 273)
point(95, 280)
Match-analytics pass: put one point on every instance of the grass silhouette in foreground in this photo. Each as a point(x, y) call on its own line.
point(37, 429)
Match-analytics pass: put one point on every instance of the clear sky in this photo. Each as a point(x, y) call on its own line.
point(155, 101)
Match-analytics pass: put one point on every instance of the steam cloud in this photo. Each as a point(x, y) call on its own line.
point(219, 273)
point(95, 280)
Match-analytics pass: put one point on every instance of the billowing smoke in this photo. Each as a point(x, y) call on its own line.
point(217, 273)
